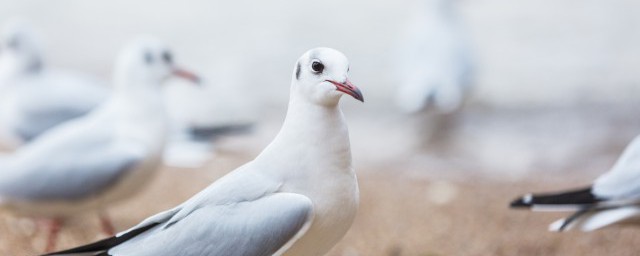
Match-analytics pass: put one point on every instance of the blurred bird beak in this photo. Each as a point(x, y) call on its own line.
point(348, 88)
point(188, 75)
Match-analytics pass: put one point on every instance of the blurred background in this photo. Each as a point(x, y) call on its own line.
point(553, 99)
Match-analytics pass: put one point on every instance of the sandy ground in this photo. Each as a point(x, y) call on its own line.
point(398, 216)
point(419, 202)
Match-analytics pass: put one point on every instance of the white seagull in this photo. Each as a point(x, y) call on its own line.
point(613, 198)
point(33, 97)
point(434, 60)
point(298, 197)
point(105, 156)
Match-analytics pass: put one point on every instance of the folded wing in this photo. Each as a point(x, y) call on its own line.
point(264, 226)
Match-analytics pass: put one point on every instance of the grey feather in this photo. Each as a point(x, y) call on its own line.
point(35, 123)
point(254, 228)
point(259, 227)
point(64, 168)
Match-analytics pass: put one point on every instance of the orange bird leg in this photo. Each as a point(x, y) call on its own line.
point(105, 224)
point(53, 228)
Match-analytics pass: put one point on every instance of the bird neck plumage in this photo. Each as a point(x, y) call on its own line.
point(312, 137)
point(140, 113)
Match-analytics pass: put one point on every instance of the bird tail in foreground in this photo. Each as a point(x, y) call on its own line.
point(569, 222)
point(574, 200)
point(590, 221)
point(591, 212)
point(101, 247)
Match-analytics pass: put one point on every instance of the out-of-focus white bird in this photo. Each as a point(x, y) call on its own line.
point(105, 156)
point(193, 146)
point(201, 116)
point(434, 60)
point(33, 97)
point(613, 198)
point(298, 197)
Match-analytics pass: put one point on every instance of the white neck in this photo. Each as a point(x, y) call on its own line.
point(141, 115)
point(313, 138)
point(9, 70)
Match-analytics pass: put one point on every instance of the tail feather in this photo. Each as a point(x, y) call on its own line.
point(560, 226)
point(567, 223)
point(590, 220)
point(591, 212)
point(609, 217)
point(210, 133)
point(575, 199)
point(102, 247)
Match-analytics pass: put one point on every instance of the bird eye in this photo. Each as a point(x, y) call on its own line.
point(317, 67)
point(166, 56)
point(148, 57)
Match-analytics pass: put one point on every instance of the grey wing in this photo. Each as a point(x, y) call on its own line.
point(68, 173)
point(37, 122)
point(41, 110)
point(100, 247)
point(261, 227)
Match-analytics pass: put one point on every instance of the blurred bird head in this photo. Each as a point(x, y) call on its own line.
point(321, 75)
point(148, 62)
point(20, 49)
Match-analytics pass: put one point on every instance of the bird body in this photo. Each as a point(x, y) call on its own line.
point(298, 197)
point(623, 180)
point(288, 166)
point(35, 98)
point(435, 65)
point(300, 145)
point(95, 139)
point(613, 198)
point(106, 156)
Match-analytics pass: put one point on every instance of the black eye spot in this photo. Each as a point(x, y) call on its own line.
point(298, 71)
point(148, 57)
point(317, 67)
point(167, 57)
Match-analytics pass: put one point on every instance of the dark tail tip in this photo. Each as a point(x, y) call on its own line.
point(522, 202)
point(213, 132)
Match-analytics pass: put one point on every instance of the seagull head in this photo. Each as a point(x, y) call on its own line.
point(321, 74)
point(20, 48)
point(148, 61)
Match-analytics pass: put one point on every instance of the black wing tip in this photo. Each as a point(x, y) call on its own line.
point(583, 196)
point(102, 247)
point(99, 248)
point(521, 203)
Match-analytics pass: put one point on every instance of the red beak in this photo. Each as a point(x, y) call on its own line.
point(348, 88)
point(188, 75)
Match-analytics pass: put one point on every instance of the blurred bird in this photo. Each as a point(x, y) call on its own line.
point(202, 116)
point(613, 198)
point(33, 97)
point(192, 146)
point(90, 162)
point(434, 60)
point(298, 197)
